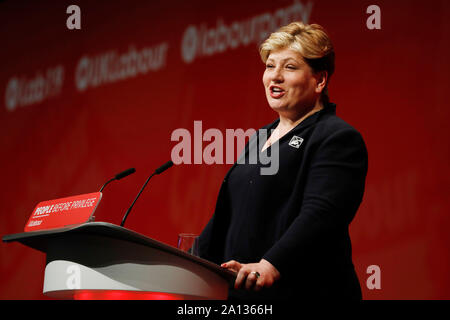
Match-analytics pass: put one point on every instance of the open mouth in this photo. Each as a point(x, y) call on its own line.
point(276, 92)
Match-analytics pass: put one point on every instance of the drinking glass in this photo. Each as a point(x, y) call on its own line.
point(188, 242)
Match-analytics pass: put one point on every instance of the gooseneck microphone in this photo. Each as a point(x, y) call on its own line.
point(119, 176)
point(160, 170)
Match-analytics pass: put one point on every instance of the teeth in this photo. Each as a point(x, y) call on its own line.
point(274, 89)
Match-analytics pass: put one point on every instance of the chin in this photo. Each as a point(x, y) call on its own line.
point(277, 106)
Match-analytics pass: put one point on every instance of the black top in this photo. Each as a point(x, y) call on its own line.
point(298, 218)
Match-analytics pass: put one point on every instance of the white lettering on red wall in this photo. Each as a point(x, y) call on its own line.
point(23, 90)
point(202, 41)
point(109, 67)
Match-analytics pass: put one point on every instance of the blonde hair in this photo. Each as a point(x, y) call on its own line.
point(310, 41)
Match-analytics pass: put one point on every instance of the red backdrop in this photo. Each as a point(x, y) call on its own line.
point(78, 106)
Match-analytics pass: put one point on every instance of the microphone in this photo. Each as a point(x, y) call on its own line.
point(119, 176)
point(160, 170)
point(164, 167)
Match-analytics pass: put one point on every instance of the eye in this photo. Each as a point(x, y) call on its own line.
point(291, 67)
point(269, 65)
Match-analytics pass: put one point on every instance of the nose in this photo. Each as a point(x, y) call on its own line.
point(277, 75)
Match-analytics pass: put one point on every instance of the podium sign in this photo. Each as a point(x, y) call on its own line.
point(63, 212)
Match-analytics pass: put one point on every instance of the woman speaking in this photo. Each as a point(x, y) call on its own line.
point(286, 235)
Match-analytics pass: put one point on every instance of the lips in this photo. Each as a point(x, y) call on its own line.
point(276, 92)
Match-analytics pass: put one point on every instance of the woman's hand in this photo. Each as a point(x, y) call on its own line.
point(253, 276)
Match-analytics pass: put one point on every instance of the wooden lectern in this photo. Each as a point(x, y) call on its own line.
point(98, 260)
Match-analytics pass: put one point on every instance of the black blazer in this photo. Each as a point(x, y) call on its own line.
point(297, 219)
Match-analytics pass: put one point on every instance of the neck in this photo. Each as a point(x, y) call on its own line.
point(290, 120)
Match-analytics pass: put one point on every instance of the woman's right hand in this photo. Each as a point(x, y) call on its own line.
point(254, 276)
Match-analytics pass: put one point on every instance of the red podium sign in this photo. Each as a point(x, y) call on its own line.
point(63, 212)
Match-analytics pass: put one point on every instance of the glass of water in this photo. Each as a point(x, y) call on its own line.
point(188, 242)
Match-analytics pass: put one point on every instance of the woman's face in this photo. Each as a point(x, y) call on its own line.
point(291, 86)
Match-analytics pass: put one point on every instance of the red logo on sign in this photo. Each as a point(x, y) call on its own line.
point(63, 212)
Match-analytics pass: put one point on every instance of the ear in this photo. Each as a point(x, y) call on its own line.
point(321, 79)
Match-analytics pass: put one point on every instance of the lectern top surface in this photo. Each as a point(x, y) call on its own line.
point(39, 240)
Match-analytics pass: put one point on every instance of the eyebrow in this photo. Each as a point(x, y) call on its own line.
point(283, 60)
